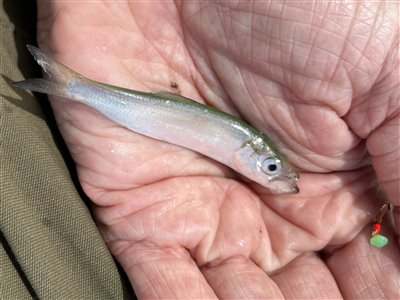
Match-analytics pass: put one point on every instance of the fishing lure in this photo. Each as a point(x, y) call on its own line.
point(174, 119)
point(378, 240)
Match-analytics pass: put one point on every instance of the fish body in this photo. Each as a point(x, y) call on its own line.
point(174, 119)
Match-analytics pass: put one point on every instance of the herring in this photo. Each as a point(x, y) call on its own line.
point(174, 119)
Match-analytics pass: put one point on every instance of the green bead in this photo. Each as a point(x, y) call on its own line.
point(378, 241)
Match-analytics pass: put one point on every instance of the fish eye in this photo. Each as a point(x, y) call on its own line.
point(271, 166)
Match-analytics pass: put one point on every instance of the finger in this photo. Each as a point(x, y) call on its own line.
point(330, 209)
point(364, 272)
point(238, 278)
point(307, 277)
point(384, 146)
point(156, 273)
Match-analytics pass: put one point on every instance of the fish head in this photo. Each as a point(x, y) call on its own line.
point(264, 164)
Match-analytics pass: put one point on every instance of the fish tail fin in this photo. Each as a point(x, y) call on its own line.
point(59, 76)
point(44, 86)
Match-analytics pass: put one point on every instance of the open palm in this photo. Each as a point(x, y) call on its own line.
point(319, 79)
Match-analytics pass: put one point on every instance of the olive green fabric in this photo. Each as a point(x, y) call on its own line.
point(50, 246)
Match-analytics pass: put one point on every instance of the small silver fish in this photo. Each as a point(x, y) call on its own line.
point(174, 119)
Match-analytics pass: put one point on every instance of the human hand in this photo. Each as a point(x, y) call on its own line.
point(320, 79)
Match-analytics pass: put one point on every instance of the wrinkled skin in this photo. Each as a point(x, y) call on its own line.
point(321, 79)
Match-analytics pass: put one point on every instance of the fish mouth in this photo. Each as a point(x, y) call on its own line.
point(294, 189)
point(285, 184)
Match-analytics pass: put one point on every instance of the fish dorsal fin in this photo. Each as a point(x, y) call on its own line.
point(165, 93)
point(172, 96)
